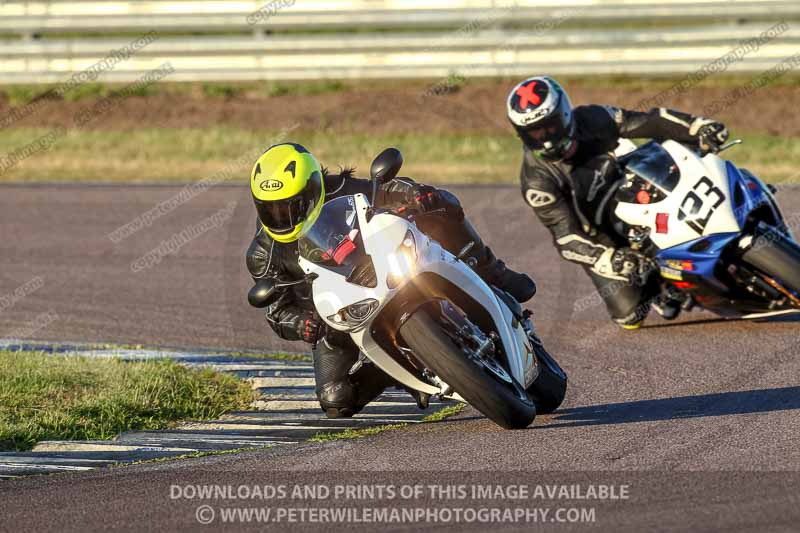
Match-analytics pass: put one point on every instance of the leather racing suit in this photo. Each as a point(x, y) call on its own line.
point(572, 197)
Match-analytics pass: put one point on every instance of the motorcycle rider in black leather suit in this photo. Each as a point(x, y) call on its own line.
point(289, 187)
point(569, 176)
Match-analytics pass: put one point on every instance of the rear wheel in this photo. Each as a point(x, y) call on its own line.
point(505, 403)
point(777, 256)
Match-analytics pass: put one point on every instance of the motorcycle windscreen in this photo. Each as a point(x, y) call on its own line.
point(334, 241)
point(654, 164)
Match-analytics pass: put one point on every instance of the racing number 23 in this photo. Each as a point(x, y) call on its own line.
point(693, 204)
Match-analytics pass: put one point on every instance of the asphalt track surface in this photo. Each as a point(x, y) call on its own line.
point(701, 417)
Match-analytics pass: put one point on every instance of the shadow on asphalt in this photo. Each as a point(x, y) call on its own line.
point(721, 404)
point(765, 320)
point(688, 323)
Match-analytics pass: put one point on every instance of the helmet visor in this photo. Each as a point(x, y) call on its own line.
point(547, 133)
point(283, 216)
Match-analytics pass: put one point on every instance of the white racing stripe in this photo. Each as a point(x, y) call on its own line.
point(44, 466)
point(771, 313)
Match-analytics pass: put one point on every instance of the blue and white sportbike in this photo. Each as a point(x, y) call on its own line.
point(714, 231)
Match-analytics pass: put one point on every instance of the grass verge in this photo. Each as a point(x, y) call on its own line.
point(53, 397)
point(188, 155)
point(448, 411)
point(20, 94)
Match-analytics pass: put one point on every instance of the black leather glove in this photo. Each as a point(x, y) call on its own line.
point(310, 328)
point(424, 198)
point(632, 265)
point(624, 264)
point(711, 136)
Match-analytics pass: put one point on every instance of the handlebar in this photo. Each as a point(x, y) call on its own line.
point(306, 279)
point(731, 144)
point(722, 148)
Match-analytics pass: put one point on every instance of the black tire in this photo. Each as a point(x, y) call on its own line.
point(486, 393)
point(777, 256)
point(550, 386)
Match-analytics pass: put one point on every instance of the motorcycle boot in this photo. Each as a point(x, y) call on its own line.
point(456, 233)
point(494, 271)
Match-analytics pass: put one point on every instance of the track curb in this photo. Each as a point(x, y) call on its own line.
point(286, 413)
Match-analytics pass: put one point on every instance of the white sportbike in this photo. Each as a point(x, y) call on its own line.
point(421, 314)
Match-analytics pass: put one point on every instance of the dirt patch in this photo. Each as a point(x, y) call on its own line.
point(398, 108)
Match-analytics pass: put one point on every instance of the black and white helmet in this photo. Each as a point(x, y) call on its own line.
point(540, 111)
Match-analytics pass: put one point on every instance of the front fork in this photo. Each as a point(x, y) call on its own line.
point(463, 332)
point(477, 345)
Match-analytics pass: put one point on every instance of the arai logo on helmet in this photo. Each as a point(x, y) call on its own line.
point(271, 185)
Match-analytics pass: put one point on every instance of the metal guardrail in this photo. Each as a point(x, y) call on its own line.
point(488, 53)
point(478, 47)
point(202, 15)
point(708, 36)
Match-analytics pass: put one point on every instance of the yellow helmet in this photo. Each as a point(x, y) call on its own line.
point(288, 190)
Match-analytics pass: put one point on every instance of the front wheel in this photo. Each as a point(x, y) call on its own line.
point(777, 256)
point(505, 403)
point(550, 386)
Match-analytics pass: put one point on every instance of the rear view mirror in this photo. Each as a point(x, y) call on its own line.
point(386, 166)
point(263, 293)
